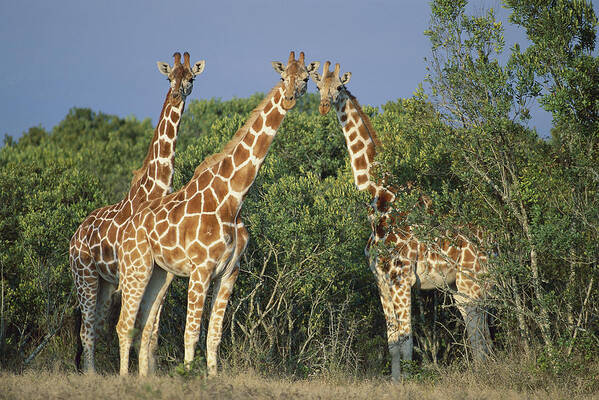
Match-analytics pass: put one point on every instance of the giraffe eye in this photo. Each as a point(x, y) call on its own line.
point(339, 87)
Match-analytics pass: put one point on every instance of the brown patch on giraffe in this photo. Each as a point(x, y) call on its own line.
point(343, 117)
point(382, 203)
point(170, 131)
point(453, 253)
point(220, 188)
point(273, 119)
point(267, 107)
point(391, 238)
point(277, 97)
point(194, 205)
point(352, 136)
point(226, 167)
point(210, 202)
point(249, 139)
point(161, 214)
point(362, 179)
point(360, 163)
point(372, 190)
point(216, 250)
point(187, 230)
point(385, 265)
point(240, 155)
point(204, 179)
point(162, 126)
point(262, 145)
point(174, 116)
point(227, 209)
point(209, 229)
point(370, 153)
point(243, 178)
point(112, 233)
point(173, 256)
point(381, 230)
point(170, 239)
point(165, 149)
point(196, 252)
point(191, 189)
point(468, 257)
point(357, 146)
point(257, 125)
point(176, 213)
point(364, 133)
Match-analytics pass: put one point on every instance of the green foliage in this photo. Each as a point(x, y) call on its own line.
point(305, 302)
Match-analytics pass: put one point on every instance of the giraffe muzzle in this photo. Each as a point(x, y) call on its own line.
point(324, 108)
point(288, 102)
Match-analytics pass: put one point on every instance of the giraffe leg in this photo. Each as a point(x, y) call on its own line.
point(395, 293)
point(222, 292)
point(468, 295)
point(199, 280)
point(149, 315)
point(133, 284)
point(86, 279)
point(104, 304)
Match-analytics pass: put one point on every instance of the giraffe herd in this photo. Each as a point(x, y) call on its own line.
point(131, 251)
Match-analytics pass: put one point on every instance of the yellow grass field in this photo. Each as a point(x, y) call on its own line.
point(247, 385)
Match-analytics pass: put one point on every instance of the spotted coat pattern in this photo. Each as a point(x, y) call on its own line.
point(405, 261)
point(197, 232)
point(93, 247)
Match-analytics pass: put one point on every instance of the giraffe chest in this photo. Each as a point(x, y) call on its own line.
point(431, 265)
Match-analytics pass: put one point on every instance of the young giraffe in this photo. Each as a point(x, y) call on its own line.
point(411, 261)
point(93, 247)
point(197, 232)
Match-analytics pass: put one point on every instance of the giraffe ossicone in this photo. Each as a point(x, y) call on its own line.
point(93, 247)
point(449, 261)
point(198, 232)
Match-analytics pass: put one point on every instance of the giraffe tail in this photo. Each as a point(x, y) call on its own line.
point(78, 336)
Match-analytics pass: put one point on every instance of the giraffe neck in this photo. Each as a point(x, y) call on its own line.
point(361, 141)
point(238, 164)
point(156, 174)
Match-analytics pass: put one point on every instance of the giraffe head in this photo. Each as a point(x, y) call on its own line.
point(181, 76)
point(329, 85)
point(295, 78)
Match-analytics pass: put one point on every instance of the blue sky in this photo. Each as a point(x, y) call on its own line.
point(102, 54)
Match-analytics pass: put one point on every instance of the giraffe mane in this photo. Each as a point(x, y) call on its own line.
point(366, 119)
point(138, 173)
point(238, 137)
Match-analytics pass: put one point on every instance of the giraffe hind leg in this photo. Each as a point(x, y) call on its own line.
point(86, 279)
point(149, 318)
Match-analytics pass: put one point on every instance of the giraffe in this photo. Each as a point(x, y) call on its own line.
point(93, 247)
point(409, 262)
point(197, 231)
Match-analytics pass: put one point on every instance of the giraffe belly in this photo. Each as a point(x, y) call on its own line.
point(432, 276)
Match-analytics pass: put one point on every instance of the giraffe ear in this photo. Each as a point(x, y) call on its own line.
point(278, 66)
point(313, 67)
point(164, 68)
point(313, 71)
point(198, 67)
point(345, 78)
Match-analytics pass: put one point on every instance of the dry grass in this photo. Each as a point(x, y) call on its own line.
point(247, 385)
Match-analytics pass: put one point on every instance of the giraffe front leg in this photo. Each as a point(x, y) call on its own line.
point(199, 280)
point(149, 316)
point(468, 300)
point(133, 284)
point(394, 285)
point(222, 292)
